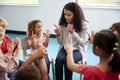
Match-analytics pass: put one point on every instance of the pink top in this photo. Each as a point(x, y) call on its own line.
point(38, 41)
point(94, 73)
point(8, 63)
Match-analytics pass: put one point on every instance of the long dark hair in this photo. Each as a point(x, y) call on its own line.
point(108, 42)
point(78, 16)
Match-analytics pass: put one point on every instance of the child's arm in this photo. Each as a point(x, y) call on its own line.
point(47, 35)
point(70, 62)
point(41, 51)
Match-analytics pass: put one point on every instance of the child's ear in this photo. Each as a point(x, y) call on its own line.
point(96, 49)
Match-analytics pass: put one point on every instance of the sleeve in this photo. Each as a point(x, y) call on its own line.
point(82, 37)
point(86, 71)
point(8, 63)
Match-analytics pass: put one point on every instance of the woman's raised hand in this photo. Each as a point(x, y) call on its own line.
point(57, 30)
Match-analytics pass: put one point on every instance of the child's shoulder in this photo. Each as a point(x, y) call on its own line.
point(87, 68)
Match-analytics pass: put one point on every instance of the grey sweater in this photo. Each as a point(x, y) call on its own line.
point(79, 39)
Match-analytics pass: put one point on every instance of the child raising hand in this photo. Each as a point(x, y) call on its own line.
point(105, 45)
point(36, 39)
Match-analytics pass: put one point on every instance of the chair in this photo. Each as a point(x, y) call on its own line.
point(81, 62)
point(26, 47)
point(84, 61)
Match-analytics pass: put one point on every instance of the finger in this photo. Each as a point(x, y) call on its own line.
point(55, 25)
point(92, 33)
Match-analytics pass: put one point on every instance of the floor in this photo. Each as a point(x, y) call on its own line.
point(52, 52)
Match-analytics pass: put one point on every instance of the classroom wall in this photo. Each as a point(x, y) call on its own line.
point(49, 12)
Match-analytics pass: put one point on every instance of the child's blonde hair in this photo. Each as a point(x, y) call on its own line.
point(3, 22)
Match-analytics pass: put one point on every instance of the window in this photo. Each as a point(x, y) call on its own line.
point(100, 3)
point(19, 2)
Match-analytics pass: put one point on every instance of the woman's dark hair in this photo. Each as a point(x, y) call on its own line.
point(78, 16)
point(108, 42)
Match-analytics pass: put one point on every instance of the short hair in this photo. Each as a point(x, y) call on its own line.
point(31, 72)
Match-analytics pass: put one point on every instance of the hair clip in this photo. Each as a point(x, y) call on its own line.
point(116, 44)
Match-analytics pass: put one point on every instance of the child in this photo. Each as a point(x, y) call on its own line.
point(35, 39)
point(8, 62)
point(72, 25)
point(5, 41)
point(105, 45)
point(31, 72)
point(4, 38)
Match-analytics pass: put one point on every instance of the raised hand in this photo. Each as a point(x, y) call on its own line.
point(92, 36)
point(10, 47)
point(68, 46)
point(41, 51)
point(57, 29)
point(70, 28)
point(33, 35)
point(16, 41)
point(48, 33)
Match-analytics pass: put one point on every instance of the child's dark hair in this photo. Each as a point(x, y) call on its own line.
point(78, 16)
point(108, 42)
point(31, 26)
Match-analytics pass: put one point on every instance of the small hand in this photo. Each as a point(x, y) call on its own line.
point(33, 35)
point(92, 37)
point(68, 46)
point(41, 51)
point(47, 33)
point(16, 41)
point(10, 47)
point(70, 28)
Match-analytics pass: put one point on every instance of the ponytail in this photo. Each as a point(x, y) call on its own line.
point(115, 62)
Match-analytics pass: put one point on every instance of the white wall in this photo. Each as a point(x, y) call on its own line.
point(100, 18)
point(49, 13)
